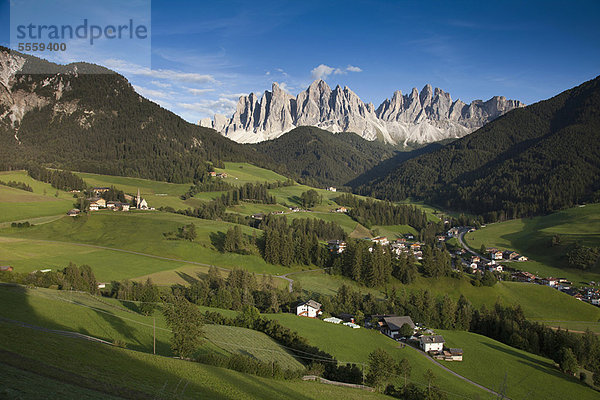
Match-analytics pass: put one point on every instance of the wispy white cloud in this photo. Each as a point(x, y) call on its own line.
point(166, 74)
point(210, 107)
point(198, 92)
point(323, 71)
point(152, 93)
point(353, 68)
point(161, 84)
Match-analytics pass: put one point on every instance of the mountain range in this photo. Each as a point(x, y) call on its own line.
point(419, 117)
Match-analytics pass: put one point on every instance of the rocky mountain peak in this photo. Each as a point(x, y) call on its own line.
point(421, 117)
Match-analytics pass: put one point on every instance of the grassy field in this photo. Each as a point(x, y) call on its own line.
point(108, 319)
point(355, 345)
point(120, 370)
point(347, 223)
point(524, 375)
point(19, 384)
point(394, 231)
point(20, 205)
point(241, 173)
point(143, 232)
point(531, 237)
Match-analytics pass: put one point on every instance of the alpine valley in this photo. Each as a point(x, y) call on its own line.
point(426, 249)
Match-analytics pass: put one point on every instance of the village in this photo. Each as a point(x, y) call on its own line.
point(96, 202)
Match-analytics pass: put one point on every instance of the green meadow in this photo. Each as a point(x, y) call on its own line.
point(518, 374)
point(121, 371)
point(21, 205)
point(111, 320)
point(143, 232)
point(241, 173)
point(531, 237)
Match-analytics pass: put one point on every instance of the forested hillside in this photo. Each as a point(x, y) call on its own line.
point(532, 160)
point(320, 158)
point(96, 122)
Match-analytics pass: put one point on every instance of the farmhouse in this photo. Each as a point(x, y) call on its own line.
point(258, 216)
point(523, 276)
point(100, 189)
point(450, 355)
point(94, 207)
point(522, 258)
point(212, 173)
point(434, 343)
point(336, 246)
point(331, 189)
point(310, 309)
point(552, 282)
point(380, 240)
point(453, 232)
point(496, 255)
point(391, 324)
point(415, 246)
point(222, 175)
point(341, 210)
point(7, 268)
point(98, 202)
point(73, 212)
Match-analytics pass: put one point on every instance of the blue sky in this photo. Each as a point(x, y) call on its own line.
point(204, 55)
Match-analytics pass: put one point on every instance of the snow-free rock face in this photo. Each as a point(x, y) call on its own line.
point(424, 117)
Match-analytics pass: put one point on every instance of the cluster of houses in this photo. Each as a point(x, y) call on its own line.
point(397, 247)
point(426, 339)
point(340, 210)
point(479, 265)
point(218, 174)
point(509, 255)
point(392, 326)
point(96, 202)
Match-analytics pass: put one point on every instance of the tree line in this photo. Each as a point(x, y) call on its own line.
point(62, 180)
point(298, 242)
point(17, 185)
point(371, 212)
point(72, 277)
point(373, 265)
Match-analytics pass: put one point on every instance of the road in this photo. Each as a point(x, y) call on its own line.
point(461, 236)
point(94, 246)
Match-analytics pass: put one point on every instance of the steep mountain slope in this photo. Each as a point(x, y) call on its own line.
point(88, 118)
point(425, 117)
point(532, 160)
point(320, 158)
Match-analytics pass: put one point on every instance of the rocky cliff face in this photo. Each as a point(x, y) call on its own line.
point(424, 117)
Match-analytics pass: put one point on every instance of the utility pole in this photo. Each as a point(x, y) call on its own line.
point(154, 329)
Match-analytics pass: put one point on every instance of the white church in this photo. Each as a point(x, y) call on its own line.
point(140, 203)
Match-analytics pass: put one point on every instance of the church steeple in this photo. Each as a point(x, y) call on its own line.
point(138, 199)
